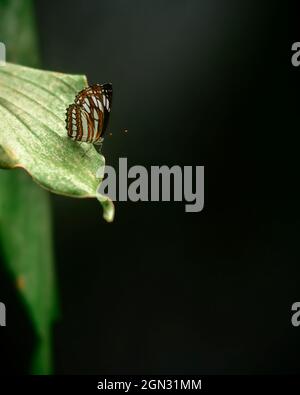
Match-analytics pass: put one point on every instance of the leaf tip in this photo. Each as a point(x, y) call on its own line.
point(108, 207)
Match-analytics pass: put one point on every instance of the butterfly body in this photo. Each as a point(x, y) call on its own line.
point(88, 116)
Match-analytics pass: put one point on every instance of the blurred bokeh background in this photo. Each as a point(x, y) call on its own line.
point(161, 290)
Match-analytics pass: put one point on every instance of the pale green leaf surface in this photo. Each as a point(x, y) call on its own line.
point(33, 134)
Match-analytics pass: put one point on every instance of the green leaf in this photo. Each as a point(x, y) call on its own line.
point(18, 31)
point(25, 222)
point(33, 135)
point(36, 141)
point(26, 241)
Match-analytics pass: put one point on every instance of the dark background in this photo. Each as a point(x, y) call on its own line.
point(160, 290)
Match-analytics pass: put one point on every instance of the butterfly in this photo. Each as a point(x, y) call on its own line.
point(88, 116)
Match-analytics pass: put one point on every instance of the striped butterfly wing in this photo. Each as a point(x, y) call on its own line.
point(79, 124)
point(106, 97)
point(96, 101)
point(87, 118)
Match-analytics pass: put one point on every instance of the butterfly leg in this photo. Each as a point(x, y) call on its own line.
point(85, 152)
point(98, 146)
